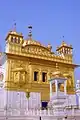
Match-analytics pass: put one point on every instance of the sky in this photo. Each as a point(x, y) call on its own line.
point(50, 19)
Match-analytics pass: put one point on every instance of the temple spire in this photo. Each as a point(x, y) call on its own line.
point(30, 32)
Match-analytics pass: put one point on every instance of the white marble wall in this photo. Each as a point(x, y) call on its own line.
point(71, 100)
point(35, 100)
point(18, 100)
point(2, 98)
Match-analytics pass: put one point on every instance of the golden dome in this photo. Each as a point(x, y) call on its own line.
point(33, 42)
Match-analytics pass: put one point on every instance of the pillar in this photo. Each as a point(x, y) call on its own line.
point(50, 90)
point(40, 76)
point(79, 101)
point(56, 85)
point(65, 83)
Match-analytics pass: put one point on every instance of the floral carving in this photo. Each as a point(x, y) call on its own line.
point(17, 64)
point(20, 77)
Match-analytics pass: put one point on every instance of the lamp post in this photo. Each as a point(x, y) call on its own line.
point(28, 96)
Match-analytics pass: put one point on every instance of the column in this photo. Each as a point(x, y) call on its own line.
point(79, 101)
point(50, 90)
point(65, 83)
point(40, 76)
point(30, 78)
point(48, 77)
point(56, 85)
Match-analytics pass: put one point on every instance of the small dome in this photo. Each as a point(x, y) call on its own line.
point(78, 82)
point(49, 47)
point(16, 33)
point(63, 44)
point(32, 42)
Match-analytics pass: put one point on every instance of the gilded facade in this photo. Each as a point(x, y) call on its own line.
point(30, 64)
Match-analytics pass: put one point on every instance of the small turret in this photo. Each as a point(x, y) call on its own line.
point(49, 47)
point(13, 39)
point(65, 51)
point(58, 98)
point(13, 36)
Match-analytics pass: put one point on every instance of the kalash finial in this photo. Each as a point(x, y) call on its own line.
point(63, 36)
point(14, 26)
point(30, 32)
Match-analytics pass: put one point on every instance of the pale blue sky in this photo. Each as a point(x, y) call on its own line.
point(51, 19)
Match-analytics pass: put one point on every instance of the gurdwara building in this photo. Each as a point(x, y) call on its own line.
point(35, 82)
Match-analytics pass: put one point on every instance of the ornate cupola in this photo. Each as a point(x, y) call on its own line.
point(58, 97)
point(58, 79)
point(13, 38)
point(65, 51)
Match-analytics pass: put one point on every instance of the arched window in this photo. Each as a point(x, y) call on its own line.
point(35, 75)
point(14, 40)
point(44, 76)
point(18, 40)
point(11, 39)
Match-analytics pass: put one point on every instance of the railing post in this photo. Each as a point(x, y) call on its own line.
point(48, 111)
point(73, 111)
point(40, 118)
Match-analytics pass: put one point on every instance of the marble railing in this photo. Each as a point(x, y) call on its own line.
point(32, 112)
point(25, 112)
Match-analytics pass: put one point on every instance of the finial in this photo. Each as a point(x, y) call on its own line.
point(49, 47)
point(70, 45)
point(63, 36)
point(63, 42)
point(14, 27)
point(30, 31)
